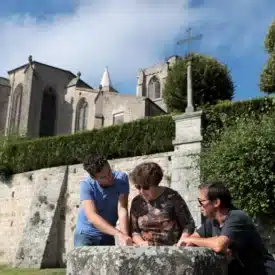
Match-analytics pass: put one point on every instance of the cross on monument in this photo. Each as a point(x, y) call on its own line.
point(188, 41)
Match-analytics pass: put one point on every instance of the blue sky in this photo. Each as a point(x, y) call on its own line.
point(125, 35)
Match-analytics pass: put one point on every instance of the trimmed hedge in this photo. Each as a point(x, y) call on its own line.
point(141, 137)
point(218, 118)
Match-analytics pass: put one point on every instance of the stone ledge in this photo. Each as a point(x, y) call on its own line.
point(187, 115)
point(186, 140)
point(167, 260)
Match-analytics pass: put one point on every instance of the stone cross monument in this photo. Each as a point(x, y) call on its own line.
point(188, 40)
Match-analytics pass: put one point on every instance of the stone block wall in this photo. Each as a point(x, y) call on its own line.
point(15, 200)
point(19, 202)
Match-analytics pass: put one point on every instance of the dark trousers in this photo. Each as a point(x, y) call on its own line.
point(81, 239)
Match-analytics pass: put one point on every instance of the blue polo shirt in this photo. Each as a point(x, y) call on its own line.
point(105, 199)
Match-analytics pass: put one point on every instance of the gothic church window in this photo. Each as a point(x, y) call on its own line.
point(48, 119)
point(154, 88)
point(81, 115)
point(16, 110)
point(118, 118)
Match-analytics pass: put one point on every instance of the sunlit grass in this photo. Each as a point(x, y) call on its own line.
point(15, 271)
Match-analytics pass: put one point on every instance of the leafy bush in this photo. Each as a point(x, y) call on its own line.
point(244, 157)
point(267, 76)
point(217, 118)
point(5, 141)
point(211, 82)
point(141, 137)
point(269, 42)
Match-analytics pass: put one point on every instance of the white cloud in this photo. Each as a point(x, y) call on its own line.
point(237, 27)
point(127, 34)
point(121, 34)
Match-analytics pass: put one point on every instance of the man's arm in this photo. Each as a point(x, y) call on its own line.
point(195, 235)
point(97, 220)
point(233, 230)
point(123, 213)
point(124, 189)
point(87, 198)
point(184, 236)
point(218, 244)
point(201, 232)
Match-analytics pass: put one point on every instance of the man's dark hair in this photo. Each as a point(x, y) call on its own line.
point(146, 174)
point(217, 190)
point(94, 163)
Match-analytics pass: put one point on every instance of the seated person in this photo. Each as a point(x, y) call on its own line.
point(158, 215)
point(104, 197)
point(230, 231)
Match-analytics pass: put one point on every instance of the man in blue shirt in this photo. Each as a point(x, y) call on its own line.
point(104, 200)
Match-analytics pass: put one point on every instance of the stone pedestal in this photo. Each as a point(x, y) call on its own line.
point(185, 170)
point(145, 261)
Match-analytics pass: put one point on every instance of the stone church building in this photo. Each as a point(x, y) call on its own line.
point(41, 100)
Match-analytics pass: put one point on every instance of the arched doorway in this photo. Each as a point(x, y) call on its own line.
point(48, 113)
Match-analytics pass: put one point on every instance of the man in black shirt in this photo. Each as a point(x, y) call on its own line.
point(230, 231)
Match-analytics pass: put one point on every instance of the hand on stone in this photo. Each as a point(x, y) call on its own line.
point(125, 240)
point(144, 243)
point(184, 242)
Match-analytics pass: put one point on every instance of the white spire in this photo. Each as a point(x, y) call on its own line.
point(105, 80)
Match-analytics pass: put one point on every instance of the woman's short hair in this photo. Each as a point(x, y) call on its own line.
point(146, 174)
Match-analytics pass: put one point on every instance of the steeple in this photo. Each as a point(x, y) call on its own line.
point(106, 80)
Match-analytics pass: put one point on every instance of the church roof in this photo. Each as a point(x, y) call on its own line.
point(78, 82)
point(106, 80)
point(4, 82)
point(39, 63)
point(75, 81)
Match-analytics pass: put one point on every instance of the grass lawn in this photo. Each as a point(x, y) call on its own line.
point(4, 270)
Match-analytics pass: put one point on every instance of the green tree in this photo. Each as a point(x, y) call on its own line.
point(267, 76)
point(269, 41)
point(211, 82)
point(244, 158)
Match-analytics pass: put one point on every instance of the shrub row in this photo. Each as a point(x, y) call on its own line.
point(145, 136)
point(238, 142)
point(244, 158)
point(141, 137)
point(225, 114)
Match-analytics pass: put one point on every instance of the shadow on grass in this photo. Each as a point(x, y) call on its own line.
point(5, 270)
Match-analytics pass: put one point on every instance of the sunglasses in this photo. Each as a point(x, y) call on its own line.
point(201, 202)
point(142, 187)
